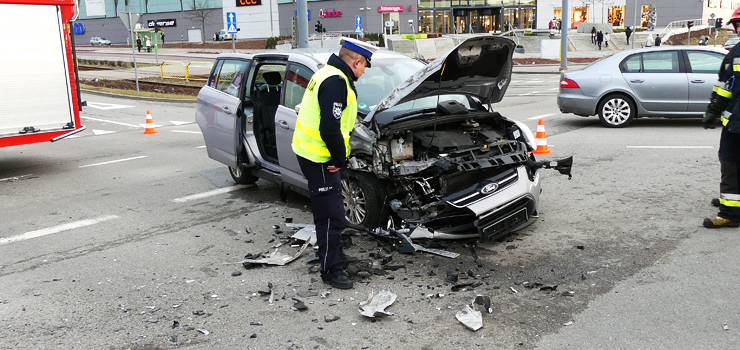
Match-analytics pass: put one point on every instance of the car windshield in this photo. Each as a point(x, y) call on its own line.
point(732, 41)
point(103, 39)
point(377, 82)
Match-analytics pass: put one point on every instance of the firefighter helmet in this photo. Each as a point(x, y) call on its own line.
point(735, 18)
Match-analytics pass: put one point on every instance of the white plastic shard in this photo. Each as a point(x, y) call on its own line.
point(306, 233)
point(470, 318)
point(276, 258)
point(376, 304)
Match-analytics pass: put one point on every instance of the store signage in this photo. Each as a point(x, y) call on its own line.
point(240, 3)
point(390, 8)
point(329, 13)
point(162, 23)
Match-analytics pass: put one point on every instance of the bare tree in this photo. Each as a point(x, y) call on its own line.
point(607, 3)
point(200, 11)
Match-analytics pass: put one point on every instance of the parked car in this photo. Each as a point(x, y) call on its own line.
point(427, 150)
point(223, 35)
point(730, 43)
point(96, 40)
point(665, 81)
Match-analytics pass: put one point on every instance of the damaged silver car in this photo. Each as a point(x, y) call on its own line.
point(428, 151)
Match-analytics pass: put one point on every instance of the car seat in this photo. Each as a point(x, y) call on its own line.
point(268, 99)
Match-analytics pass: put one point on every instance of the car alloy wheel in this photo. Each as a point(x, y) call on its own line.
point(242, 176)
point(616, 111)
point(355, 201)
point(362, 195)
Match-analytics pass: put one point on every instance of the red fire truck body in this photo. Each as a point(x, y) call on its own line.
point(38, 85)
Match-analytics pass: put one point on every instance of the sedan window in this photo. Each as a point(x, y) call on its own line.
point(660, 62)
point(632, 64)
point(704, 62)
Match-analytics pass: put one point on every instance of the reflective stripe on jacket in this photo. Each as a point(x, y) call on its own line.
point(307, 140)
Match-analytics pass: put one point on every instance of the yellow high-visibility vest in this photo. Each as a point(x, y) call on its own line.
point(307, 140)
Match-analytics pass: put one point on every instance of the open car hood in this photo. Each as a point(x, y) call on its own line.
point(479, 67)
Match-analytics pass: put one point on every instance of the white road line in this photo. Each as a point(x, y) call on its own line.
point(110, 121)
point(541, 116)
point(554, 88)
point(210, 193)
point(187, 132)
point(102, 132)
point(535, 81)
point(529, 93)
point(106, 106)
point(14, 178)
point(56, 229)
point(111, 162)
point(178, 123)
point(672, 147)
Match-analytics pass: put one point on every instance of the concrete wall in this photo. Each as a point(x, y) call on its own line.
point(258, 21)
point(114, 30)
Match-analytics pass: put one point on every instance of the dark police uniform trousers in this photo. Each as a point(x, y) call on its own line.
point(328, 213)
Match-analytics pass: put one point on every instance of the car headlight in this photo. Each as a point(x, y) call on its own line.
point(526, 134)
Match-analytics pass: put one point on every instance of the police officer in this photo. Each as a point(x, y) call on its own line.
point(724, 105)
point(321, 142)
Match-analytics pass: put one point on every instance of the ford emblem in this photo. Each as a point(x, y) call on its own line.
point(492, 187)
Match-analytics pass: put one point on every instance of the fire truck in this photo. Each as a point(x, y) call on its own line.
point(38, 82)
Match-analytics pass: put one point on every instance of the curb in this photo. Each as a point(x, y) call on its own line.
point(141, 98)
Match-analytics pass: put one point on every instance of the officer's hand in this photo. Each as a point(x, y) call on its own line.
point(332, 169)
point(710, 120)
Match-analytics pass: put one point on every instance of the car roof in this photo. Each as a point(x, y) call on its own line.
point(318, 55)
point(670, 48)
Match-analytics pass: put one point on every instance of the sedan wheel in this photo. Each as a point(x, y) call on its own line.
point(242, 176)
point(616, 111)
point(362, 202)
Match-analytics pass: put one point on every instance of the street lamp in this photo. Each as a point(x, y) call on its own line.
point(364, 9)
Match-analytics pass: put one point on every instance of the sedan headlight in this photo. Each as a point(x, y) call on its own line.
point(526, 134)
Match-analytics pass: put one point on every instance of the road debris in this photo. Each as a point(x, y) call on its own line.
point(484, 301)
point(725, 327)
point(513, 290)
point(568, 323)
point(275, 258)
point(452, 276)
point(376, 304)
point(331, 318)
point(569, 293)
point(307, 233)
point(204, 331)
point(299, 305)
point(470, 318)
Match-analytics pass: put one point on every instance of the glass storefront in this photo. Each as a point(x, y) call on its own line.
point(580, 15)
point(475, 16)
point(426, 21)
point(616, 15)
point(442, 21)
point(644, 17)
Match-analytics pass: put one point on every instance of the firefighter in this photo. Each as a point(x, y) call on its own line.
point(724, 106)
point(321, 142)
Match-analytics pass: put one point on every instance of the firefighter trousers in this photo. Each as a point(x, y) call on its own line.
point(729, 188)
point(327, 205)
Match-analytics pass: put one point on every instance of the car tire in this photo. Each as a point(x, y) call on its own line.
point(616, 111)
point(242, 175)
point(363, 197)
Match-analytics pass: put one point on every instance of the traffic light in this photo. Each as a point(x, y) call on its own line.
point(156, 27)
point(319, 27)
point(718, 23)
point(323, 30)
point(689, 24)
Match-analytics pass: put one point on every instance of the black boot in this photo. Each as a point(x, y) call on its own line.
point(340, 282)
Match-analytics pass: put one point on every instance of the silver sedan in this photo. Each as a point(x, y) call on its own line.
point(665, 81)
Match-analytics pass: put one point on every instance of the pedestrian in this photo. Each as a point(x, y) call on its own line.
point(606, 39)
point(321, 142)
point(549, 26)
point(649, 40)
point(725, 91)
point(593, 35)
point(138, 43)
point(628, 32)
point(148, 45)
point(657, 40)
point(599, 38)
point(162, 36)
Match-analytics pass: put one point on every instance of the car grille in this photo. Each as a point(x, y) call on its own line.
point(458, 181)
point(503, 181)
point(500, 221)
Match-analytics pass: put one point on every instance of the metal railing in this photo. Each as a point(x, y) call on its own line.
point(180, 70)
point(675, 26)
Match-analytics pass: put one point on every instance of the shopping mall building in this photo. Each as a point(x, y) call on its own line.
point(268, 18)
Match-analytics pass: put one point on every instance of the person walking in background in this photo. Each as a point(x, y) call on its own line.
point(628, 32)
point(657, 40)
point(593, 35)
point(148, 45)
point(138, 43)
point(649, 41)
point(599, 38)
point(606, 39)
point(162, 36)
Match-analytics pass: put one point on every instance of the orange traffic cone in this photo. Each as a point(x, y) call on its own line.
point(541, 139)
point(151, 130)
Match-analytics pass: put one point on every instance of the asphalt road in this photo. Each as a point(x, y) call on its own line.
point(120, 240)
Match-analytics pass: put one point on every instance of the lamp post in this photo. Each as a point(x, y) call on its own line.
point(564, 20)
point(364, 9)
point(634, 27)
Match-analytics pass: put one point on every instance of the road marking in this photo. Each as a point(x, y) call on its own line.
point(112, 161)
point(110, 121)
point(14, 178)
point(542, 116)
point(106, 106)
point(187, 132)
point(535, 81)
point(56, 229)
point(529, 93)
point(210, 193)
point(153, 125)
point(673, 147)
point(554, 88)
point(180, 123)
point(102, 132)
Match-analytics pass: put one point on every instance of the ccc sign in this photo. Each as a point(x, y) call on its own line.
point(78, 28)
point(240, 3)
